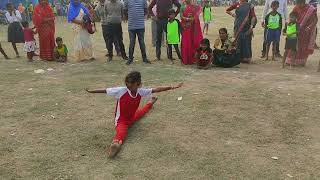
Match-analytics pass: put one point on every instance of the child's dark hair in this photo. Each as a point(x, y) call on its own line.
point(171, 12)
point(223, 30)
point(25, 24)
point(293, 14)
point(205, 41)
point(133, 77)
point(275, 3)
point(58, 39)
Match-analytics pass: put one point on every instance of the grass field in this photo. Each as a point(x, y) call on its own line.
point(229, 124)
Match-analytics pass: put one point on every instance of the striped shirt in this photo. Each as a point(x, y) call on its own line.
point(136, 13)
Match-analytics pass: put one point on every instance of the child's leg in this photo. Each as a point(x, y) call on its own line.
point(169, 51)
point(121, 134)
point(15, 49)
point(141, 112)
point(3, 53)
point(319, 67)
point(56, 55)
point(176, 47)
point(267, 50)
point(207, 28)
point(30, 55)
point(293, 60)
point(284, 57)
point(273, 49)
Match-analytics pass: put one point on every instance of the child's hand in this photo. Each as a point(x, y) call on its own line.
point(177, 86)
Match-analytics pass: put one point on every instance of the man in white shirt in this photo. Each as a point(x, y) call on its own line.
point(283, 10)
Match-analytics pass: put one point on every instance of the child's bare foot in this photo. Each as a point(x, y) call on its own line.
point(153, 100)
point(114, 149)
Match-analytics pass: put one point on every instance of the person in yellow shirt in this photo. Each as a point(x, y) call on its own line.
point(60, 52)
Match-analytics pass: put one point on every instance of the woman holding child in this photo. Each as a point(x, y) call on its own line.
point(43, 19)
point(192, 33)
point(245, 21)
point(225, 54)
point(82, 40)
point(307, 19)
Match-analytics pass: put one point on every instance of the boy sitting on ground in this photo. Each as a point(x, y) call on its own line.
point(60, 52)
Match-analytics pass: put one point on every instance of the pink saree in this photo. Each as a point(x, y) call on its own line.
point(307, 19)
point(191, 34)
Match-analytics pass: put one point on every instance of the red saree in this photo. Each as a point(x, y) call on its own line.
point(43, 19)
point(191, 34)
point(307, 19)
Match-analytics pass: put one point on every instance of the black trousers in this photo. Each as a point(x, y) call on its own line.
point(264, 49)
point(169, 50)
point(115, 36)
point(161, 25)
point(105, 37)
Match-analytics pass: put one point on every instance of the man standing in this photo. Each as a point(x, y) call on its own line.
point(101, 11)
point(283, 10)
point(135, 11)
point(114, 13)
point(163, 6)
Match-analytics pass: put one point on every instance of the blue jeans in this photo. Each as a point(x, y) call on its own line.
point(132, 36)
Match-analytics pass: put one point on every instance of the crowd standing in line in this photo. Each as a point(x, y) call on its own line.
point(187, 33)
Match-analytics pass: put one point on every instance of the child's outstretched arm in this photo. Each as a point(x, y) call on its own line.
point(96, 91)
point(166, 88)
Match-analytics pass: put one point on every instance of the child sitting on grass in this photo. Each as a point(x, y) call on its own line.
point(204, 55)
point(128, 100)
point(30, 44)
point(60, 52)
point(3, 53)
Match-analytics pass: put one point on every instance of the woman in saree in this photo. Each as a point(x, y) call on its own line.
point(245, 21)
point(43, 19)
point(192, 33)
point(307, 20)
point(82, 40)
point(225, 53)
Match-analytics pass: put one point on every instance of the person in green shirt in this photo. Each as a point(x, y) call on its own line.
point(273, 23)
point(173, 30)
point(207, 16)
point(291, 32)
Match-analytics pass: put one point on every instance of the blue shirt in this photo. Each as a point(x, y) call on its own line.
point(136, 16)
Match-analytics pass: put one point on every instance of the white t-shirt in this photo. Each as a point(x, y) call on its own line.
point(14, 18)
point(127, 104)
